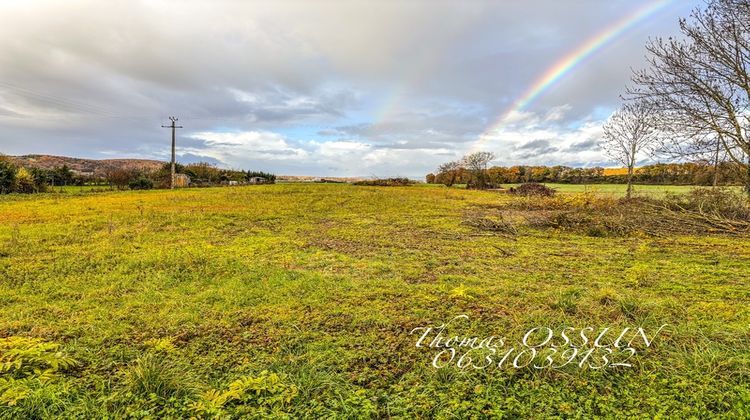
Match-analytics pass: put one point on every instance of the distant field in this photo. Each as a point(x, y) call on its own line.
point(79, 188)
point(301, 299)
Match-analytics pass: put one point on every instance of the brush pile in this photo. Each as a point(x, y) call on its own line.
point(702, 211)
point(533, 189)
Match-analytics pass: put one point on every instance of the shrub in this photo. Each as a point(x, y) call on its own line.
point(41, 178)
point(533, 189)
point(120, 177)
point(200, 173)
point(250, 395)
point(141, 183)
point(27, 365)
point(474, 185)
point(24, 182)
point(22, 357)
point(7, 176)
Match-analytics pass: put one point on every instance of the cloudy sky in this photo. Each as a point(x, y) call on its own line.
point(380, 88)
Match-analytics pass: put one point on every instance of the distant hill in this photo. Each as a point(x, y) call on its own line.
point(99, 167)
point(84, 166)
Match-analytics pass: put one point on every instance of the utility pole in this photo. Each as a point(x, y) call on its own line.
point(173, 127)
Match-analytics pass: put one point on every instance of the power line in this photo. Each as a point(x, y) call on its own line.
point(69, 104)
point(88, 109)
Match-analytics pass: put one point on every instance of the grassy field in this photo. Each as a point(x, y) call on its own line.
point(298, 301)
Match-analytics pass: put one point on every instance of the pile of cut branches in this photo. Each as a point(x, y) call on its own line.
point(702, 211)
point(490, 222)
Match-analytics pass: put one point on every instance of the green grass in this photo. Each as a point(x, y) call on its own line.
point(76, 189)
point(610, 189)
point(297, 300)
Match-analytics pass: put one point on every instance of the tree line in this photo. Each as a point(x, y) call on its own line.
point(688, 173)
point(30, 180)
point(19, 179)
point(201, 175)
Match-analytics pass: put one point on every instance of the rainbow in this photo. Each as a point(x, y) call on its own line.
point(569, 62)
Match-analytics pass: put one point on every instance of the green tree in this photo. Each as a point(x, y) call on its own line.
point(63, 175)
point(7, 176)
point(141, 183)
point(25, 182)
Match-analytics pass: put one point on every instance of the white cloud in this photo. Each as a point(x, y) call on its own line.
point(339, 157)
point(339, 149)
point(547, 144)
point(557, 113)
point(398, 86)
point(236, 149)
point(249, 139)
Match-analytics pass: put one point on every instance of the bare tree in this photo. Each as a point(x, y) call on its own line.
point(702, 146)
point(477, 163)
point(120, 177)
point(700, 83)
point(629, 132)
point(450, 171)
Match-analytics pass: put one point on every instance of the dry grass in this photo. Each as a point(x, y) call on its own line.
point(166, 299)
point(700, 212)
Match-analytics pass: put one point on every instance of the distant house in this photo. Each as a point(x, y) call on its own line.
point(181, 181)
point(234, 183)
point(257, 180)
